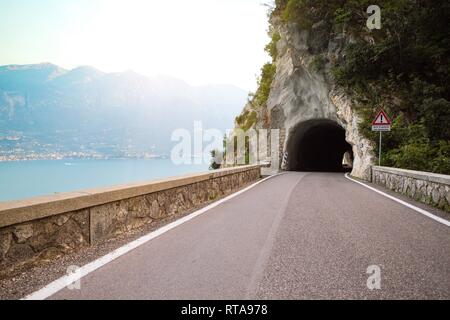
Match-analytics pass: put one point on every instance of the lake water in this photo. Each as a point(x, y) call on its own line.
point(25, 179)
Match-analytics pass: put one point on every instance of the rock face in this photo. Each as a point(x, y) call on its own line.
point(303, 94)
point(43, 239)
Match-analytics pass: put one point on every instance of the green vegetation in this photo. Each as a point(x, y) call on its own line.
point(264, 83)
point(259, 99)
point(318, 63)
point(247, 120)
point(271, 48)
point(403, 68)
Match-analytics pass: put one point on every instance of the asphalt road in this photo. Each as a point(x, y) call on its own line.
point(295, 236)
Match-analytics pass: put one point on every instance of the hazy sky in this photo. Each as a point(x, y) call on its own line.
point(199, 41)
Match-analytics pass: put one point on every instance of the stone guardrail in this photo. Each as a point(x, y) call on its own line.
point(429, 188)
point(43, 228)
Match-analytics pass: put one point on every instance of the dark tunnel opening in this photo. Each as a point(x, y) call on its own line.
point(319, 145)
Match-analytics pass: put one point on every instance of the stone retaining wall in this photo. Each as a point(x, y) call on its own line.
point(44, 228)
point(432, 189)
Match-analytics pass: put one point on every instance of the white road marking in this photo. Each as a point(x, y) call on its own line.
point(406, 204)
point(67, 280)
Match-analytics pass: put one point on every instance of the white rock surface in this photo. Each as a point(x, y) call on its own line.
point(300, 94)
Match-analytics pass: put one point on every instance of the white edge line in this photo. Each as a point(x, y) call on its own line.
point(406, 204)
point(61, 283)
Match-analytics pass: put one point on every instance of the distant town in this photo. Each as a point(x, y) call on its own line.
point(16, 148)
point(75, 155)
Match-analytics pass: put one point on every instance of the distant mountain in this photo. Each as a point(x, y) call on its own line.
point(45, 109)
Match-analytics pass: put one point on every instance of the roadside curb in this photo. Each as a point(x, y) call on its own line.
point(404, 203)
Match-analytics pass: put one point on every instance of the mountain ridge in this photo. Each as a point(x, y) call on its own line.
point(39, 102)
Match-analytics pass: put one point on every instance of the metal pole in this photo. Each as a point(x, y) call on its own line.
point(379, 156)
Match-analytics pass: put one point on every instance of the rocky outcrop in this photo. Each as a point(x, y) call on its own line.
point(303, 89)
point(363, 155)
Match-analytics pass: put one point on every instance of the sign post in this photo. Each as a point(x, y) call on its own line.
point(379, 153)
point(381, 124)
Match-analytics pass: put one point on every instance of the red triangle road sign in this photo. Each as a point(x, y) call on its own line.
point(382, 120)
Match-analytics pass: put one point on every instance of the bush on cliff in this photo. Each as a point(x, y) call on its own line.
point(258, 100)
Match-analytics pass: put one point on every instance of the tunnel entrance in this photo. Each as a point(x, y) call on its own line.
point(319, 145)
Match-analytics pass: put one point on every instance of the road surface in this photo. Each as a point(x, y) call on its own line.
point(295, 236)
